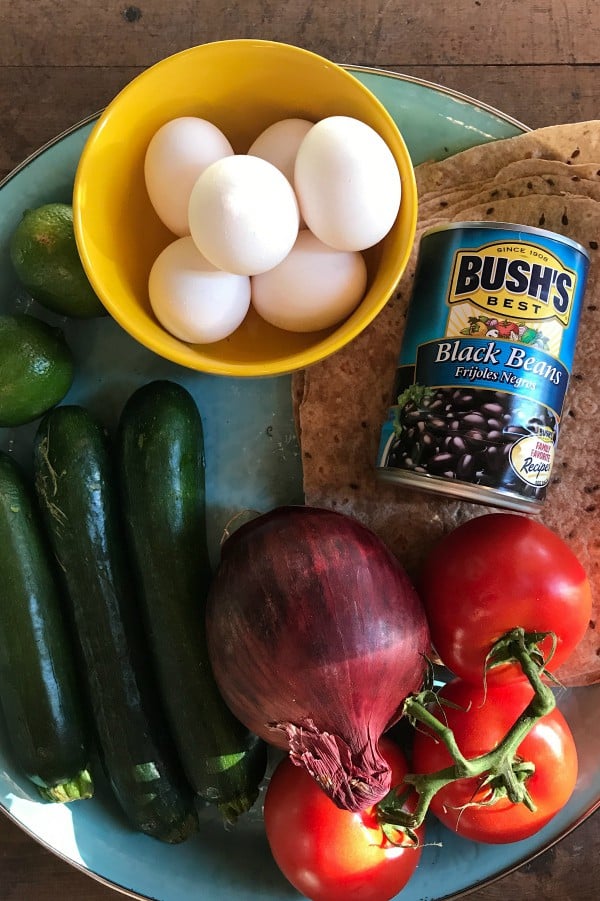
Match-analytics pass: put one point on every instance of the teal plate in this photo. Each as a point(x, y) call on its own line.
point(252, 463)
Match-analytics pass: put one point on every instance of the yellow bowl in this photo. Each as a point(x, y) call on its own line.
point(242, 86)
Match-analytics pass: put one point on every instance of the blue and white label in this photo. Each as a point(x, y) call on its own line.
point(491, 363)
point(484, 364)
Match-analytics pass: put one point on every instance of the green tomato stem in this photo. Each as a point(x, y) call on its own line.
point(499, 768)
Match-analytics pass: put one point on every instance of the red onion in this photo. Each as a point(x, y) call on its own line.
point(316, 636)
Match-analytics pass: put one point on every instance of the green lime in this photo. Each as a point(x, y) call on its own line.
point(36, 368)
point(45, 256)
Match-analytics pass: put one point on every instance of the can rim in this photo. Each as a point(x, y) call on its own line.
point(514, 226)
point(484, 495)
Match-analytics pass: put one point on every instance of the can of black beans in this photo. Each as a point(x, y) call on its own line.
point(484, 364)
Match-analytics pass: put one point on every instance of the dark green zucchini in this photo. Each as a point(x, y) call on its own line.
point(76, 486)
point(39, 692)
point(160, 450)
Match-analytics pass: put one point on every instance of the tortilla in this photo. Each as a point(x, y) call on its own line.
point(537, 166)
point(515, 187)
point(342, 401)
point(558, 177)
point(571, 144)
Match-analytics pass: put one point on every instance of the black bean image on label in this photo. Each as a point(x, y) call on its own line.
point(467, 435)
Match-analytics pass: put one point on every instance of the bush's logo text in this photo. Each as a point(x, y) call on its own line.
point(516, 278)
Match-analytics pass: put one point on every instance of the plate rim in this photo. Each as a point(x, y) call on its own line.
point(441, 89)
point(437, 88)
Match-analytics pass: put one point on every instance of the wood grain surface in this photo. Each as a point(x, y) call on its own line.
point(538, 60)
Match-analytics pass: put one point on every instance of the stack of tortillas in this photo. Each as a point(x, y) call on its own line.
point(547, 178)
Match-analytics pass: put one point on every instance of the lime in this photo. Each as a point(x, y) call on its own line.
point(36, 368)
point(46, 260)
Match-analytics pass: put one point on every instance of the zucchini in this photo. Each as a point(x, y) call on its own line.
point(77, 490)
point(160, 451)
point(39, 691)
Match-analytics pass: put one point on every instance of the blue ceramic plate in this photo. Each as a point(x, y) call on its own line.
point(252, 462)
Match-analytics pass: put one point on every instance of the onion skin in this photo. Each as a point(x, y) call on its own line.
point(316, 636)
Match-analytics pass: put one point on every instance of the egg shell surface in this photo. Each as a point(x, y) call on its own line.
point(243, 215)
point(176, 156)
point(278, 144)
point(347, 183)
point(313, 288)
point(192, 299)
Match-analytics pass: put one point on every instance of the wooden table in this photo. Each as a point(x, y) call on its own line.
point(538, 60)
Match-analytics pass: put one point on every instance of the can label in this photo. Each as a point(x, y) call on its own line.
point(485, 362)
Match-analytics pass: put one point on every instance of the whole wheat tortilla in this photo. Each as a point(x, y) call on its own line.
point(572, 144)
point(532, 167)
point(343, 400)
point(540, 166)
point(523, 186)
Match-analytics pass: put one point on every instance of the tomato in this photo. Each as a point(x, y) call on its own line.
point(481, 722)
point(330, 854)
point(508, 330)
point(495, 573)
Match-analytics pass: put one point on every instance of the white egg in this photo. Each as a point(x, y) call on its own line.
point(278, 144)
point(176, 156)
point(243, 215)
point(347, 183)
point(192, 299)
point(313, 288)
